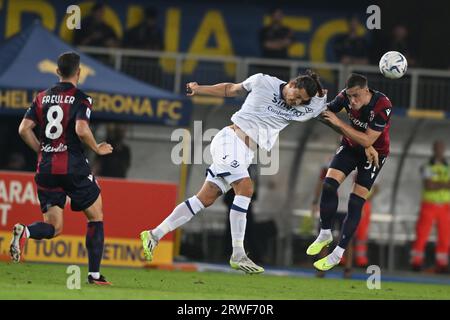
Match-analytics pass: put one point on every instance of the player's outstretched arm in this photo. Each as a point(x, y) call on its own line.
point(27, 134)
point(225, 89)
point(85, 134)
point(321, 119)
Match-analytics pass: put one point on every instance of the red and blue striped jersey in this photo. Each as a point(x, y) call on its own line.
point(375, 115)
point(55, 112)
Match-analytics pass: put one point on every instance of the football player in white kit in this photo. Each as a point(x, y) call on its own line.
point(270, 106)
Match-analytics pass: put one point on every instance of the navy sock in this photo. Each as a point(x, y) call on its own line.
point(355, 205)
point(94, 244)
point(328, 202)
point(41, 230)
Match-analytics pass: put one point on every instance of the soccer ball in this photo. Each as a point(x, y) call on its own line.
point(393, 65)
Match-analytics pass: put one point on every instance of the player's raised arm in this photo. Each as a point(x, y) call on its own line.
point(27, 134)
point(225, 89)
point(85, 134)
point(336, 105)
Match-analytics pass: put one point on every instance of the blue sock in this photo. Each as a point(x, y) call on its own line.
point(355, 205)
point(328, 202)
point(41, 230)
point(94, 244)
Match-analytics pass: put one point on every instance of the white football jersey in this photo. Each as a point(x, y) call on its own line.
point(264, 112)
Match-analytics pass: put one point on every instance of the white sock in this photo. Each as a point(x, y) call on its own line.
point(336, 255)
point(238, 222)
point(27, 232)
point(325, 234)
point(179, 216)
point(94, 275)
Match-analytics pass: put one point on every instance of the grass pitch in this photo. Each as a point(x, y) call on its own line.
point(48, 281)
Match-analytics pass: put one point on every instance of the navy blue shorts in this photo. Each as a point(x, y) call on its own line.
point(83, 191)
point(348, 159)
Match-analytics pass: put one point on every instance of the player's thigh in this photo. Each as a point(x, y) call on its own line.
point(84, 194)
point(366, 175)
point(95, 211)
point(55, 217)
point(49, 191)
point(343, 163)
point(209, 193)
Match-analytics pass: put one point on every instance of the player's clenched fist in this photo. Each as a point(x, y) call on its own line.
point(104, 148)
point(191, 88)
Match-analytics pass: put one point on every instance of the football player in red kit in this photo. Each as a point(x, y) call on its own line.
point(62, 115)
point(369, 112)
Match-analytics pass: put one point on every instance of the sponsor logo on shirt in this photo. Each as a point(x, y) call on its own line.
point(49, 148)
point(280, 102)
point(291, 113)
point(357, 122)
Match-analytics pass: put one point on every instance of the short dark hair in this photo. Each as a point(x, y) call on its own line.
point(356, 80)
point(310, 82)
point(68, 64)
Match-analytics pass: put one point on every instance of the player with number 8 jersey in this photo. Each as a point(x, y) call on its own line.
point(56, 111)
point(61, 114)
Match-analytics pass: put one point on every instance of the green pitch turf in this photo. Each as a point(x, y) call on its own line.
point(46, 281)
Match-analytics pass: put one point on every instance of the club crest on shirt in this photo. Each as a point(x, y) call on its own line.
point(234, 164)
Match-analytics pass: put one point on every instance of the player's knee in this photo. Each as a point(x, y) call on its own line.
point(246, 192)
point(330, 185)
point(95, 216)
point(56, 222)
point(244, 188)
point(209, 194)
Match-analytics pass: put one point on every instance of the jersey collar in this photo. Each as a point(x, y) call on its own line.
point(65, 85)
point(373, 99)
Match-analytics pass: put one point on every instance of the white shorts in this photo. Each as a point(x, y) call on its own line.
point(230, 159)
